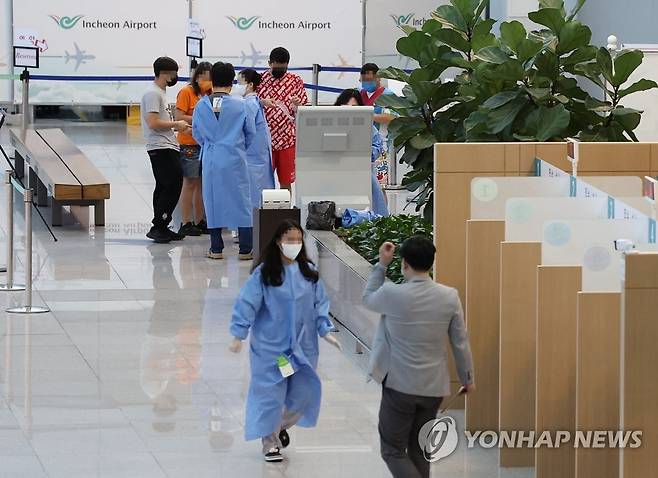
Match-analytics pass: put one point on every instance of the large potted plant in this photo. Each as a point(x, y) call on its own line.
point(471, 85)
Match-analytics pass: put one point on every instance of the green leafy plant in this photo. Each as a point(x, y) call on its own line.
point(517, 86)
point(367, 238)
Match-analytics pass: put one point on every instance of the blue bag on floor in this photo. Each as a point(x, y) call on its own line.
point(352, 217)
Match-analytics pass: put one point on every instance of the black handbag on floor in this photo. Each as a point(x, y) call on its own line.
point(321, 216)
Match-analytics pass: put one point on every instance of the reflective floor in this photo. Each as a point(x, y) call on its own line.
point(129, 374)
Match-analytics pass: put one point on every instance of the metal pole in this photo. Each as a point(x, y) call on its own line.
point(364, 21)
point(10, 286)
point(392, 179)
point(25, 78)
point(316, 81)
point(28, 308)
point(8, 365)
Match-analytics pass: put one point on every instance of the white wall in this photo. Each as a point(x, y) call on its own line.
point(5, 50)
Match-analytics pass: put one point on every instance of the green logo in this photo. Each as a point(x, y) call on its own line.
point(66, 22)
point(403, 19)
point(244, 23)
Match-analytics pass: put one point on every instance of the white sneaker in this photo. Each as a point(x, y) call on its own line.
point(274, 455)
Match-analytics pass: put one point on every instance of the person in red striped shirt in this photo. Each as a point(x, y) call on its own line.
point(281, 92)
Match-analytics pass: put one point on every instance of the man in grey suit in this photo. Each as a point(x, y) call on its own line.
point(409, 356)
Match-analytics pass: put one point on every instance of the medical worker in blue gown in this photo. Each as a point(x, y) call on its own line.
point(220, 126)
point(285, 307)
point(351, 97)
point(259, 153)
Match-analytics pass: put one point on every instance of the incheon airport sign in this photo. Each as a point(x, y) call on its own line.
point(79, 21)
point(258, 22)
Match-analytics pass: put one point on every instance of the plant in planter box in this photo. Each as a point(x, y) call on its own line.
point(519, 86)
point(367, 238)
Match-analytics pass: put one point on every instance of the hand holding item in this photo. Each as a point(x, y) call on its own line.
point(236, 346)
point(181, 126)
point(468, 389)
point(296, 101)
point(267, 102)
point(386, 253)
point(332, 340)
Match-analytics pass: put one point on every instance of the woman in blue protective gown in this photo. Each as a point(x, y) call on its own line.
point(259, 153)
point(352, 97)
point(285, 307)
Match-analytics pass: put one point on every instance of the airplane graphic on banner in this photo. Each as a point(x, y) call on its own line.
point(256, 57)
point(342, 63)
point(80, 57)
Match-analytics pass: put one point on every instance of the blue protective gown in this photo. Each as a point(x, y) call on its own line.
point(378, 200)
point(284, 320)
point(259, 153)
point(224, 142)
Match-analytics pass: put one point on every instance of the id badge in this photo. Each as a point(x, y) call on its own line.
point(285, 367)
point(217, 104)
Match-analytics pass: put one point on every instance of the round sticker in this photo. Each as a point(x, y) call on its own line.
point(519, 210)
point(597, 258)
point(557, 234)
point(485, 189)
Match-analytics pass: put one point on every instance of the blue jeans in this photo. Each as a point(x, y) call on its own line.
point(245, 236)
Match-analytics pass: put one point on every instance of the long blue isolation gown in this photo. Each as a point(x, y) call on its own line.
point(284, 320)
point(259, 153)
point(378, 200)
point(224, 142)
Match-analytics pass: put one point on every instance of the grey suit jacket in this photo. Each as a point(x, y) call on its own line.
point(410, 346)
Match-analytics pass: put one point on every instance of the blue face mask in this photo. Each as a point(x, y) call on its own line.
point(369, 86)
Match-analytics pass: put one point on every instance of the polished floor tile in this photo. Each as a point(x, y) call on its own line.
point(129, 374)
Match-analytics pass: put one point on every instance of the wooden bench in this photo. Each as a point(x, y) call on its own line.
point(59, 170)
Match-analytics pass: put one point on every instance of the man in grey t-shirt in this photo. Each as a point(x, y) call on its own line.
point(163, 149)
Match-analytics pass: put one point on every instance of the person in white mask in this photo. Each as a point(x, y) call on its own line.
point(259, 152)
point(286, 308)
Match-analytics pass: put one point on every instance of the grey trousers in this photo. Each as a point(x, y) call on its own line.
point(401, 417)
point(288, 420)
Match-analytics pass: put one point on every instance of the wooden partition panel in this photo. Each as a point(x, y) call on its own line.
point(518, 331)
point(640, 384)
point(456, 164)
point(597, 383)
point(482, 310)
point(557, 307)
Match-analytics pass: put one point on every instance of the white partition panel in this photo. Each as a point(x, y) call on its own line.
point(489, 195)
point(525, 217)
point(590, 243)
point(597, 186)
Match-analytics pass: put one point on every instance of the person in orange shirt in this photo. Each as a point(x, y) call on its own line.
point(190, 153)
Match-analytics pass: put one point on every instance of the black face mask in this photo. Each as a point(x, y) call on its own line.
point(278, 72)
point(173, 81)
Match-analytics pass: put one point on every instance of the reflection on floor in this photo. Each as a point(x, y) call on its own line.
point(129, 375)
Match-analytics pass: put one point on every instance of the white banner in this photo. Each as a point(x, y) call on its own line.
point(97, 38)
point(329, 34)
point(5, 51)
point(383, 21)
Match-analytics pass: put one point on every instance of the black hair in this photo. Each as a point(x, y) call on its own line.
point(272, 271)
point(198, 71)
point(222, 74)
point(164, 63)
point(280, 55)
point(251, 76)
point(419, 252)
point(347, 95)
point(369, 68)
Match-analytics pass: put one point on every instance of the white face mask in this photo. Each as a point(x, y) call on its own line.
point(291, 251)
point(239, 90)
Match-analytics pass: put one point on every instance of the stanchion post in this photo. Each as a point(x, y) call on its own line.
point(10, 286)
point(316, 82)
point(392, 179)
point(28, 308)
point(25, 78)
